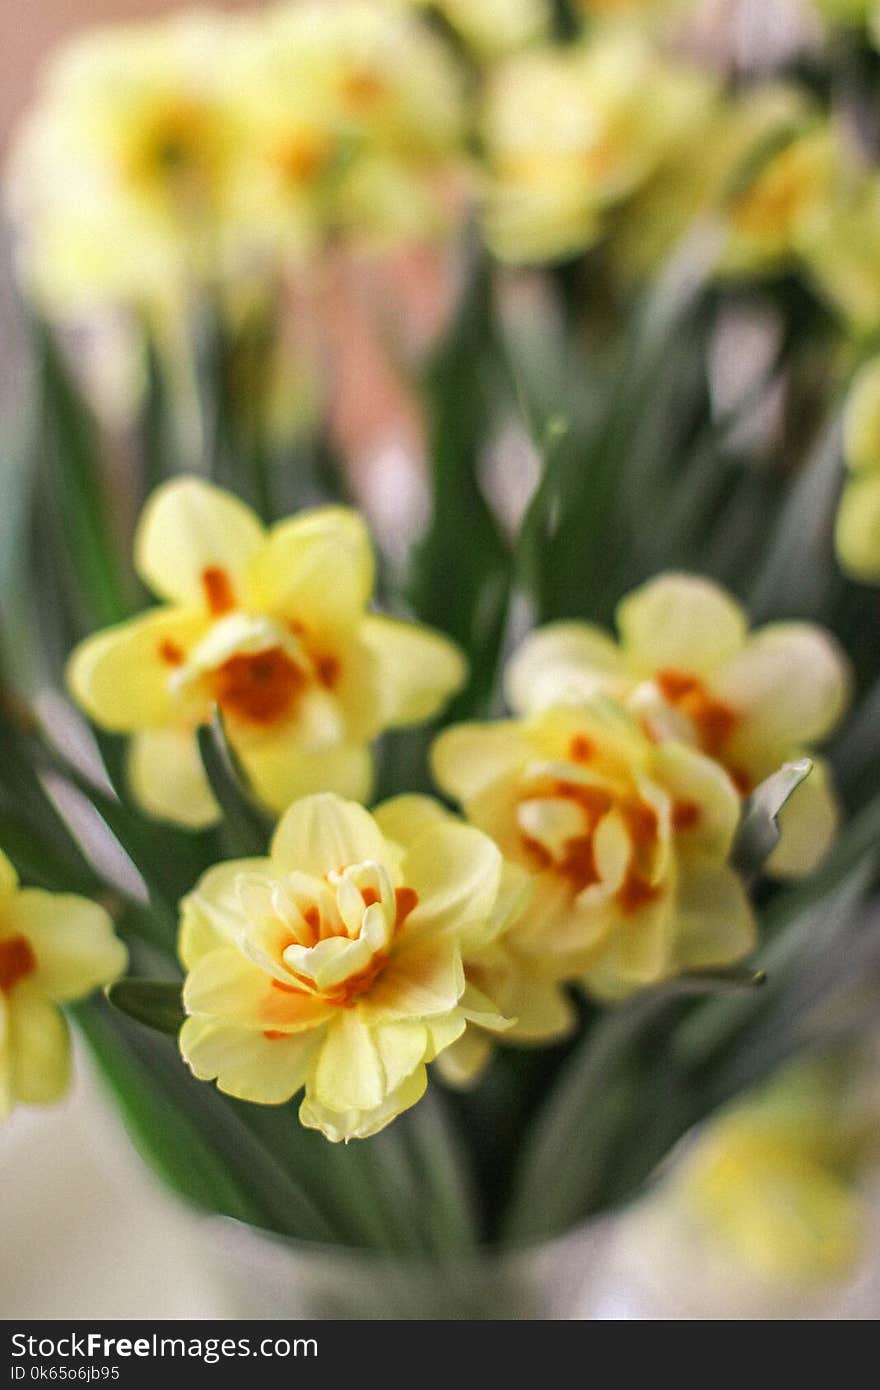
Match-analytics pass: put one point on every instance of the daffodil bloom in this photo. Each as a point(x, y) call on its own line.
point(503, 964)
point(626, 840)
point(335, 964)
point(570, 131)
point(771, 218)
point(689, 670)
point(857, 532)
point(772, 1181)
point(54, 947)
point(272, 627)
point(121, 176)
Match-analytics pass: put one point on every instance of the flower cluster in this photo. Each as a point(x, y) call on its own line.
point(206, 145)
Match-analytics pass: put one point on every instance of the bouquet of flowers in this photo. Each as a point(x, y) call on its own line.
point(440, 700)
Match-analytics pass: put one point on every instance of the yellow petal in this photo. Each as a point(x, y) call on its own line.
point(338, 1126)
point(857, 529)
point(808, 822)
point(404, 818)
point(478, 1008)
point(321, 833)
point(168, 780)
point(190, 529)
point(463, 1063)
point(679, 622)
point(245, 1063)
point(73, 941)
point(39, 1048)
point(714, 923)
point(281, 770)
point(402, 1047)
point(419, 669)
point(705, 804)
point(121, 677)
point(349, 1074)
point(317, 569)
point(791, 684)
point(8, 877)
point(456, 871)
point(561, 662)
point(422, 981)
point(470, 757)
point(637, 951)
point(225, 985)
point(861, 421)
point(211, 915)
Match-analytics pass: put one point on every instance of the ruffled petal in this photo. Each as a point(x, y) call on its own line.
point(422, 981)
point(456, 872)
point(679, 622)
point(122, 676)
point(195, 543)
point(714, 923)
point(316, 569)
point(349, 1074)
point(73, 941)
point(246, 1063)
point(857, 529)
point(463, 1063)
point(168, 779)
point(706, 806)
point(404, 818)
point(340, 1126)
point(560, 663)
point(225, 985)
point(322, 833)
point(211, 914)
point(419, 669)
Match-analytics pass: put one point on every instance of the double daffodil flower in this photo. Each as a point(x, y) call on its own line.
point(271, 626)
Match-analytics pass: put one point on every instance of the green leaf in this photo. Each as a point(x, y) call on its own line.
point(249, 828)
point(759, 833)
point(156, 1003)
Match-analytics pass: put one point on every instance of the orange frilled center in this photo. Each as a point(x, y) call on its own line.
point(714, 722)
point(17, 961)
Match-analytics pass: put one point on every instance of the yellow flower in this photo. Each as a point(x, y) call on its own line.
point(272, 627)
point(771, 1181)
point(492, 27)
point(122, 172)
point(504, 965)
point(772, 218)
point(689, 670)
point(570, 131)
point(857, 532)
point(54, 947)
point(335, 964)
point(627, 841)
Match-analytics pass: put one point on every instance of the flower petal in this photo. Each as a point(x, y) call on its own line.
point(456, 871)
point(349, 1074)
point(72, 939)
point(679, 622)
point(212, 913)
point(559, 663)
point(857, 529)
point(402, 1047)
point(791, 683)
point(8, 877)
point(281, 771)
point(316, 568)
point(339, 1126)
point(419, 669)
point(470, 757)
point(39, 1048)
point(121, 677)
point(705, 804)
point(861, 420)
point(245, 1063)
point(191, 529)
point(808, 822)
point(322, 833)
point(422, 981)
point(714, 923)
point(404, 818)
point(226, 986)
point(168, 779)
point(463, 1063)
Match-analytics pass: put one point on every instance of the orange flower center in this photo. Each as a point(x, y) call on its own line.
point(17, 961)
point(260, 689)
point(714, 722)
point(303, 156)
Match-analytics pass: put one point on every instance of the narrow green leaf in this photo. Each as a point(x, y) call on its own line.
point(249, 828)
point(156, 1003)
point(759, 833)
